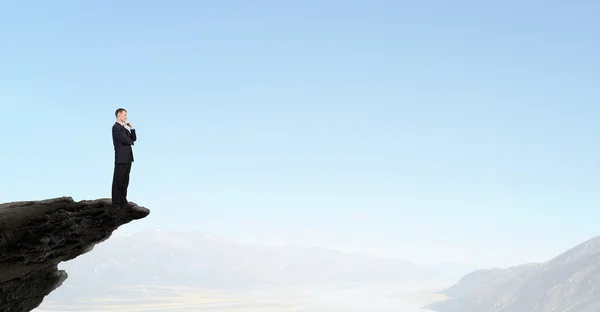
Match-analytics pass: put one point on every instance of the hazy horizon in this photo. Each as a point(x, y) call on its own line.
point(166, 267)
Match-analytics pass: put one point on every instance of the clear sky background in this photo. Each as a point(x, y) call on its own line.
point(429, 130)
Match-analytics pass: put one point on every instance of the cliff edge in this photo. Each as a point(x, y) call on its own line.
point(35, 236)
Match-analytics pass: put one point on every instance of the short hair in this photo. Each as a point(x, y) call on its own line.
point(119, 110)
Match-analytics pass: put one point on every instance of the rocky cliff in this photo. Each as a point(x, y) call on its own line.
point(569, 282)
point(35, 236)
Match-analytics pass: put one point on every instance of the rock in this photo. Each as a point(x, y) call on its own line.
point(35, 236)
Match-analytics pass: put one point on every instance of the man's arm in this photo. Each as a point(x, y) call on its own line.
point(121, 136)
point(133, 135)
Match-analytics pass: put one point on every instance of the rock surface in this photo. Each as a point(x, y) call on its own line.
point(569, 282)
point(35, 236)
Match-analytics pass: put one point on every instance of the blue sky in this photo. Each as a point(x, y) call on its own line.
point(433, 131)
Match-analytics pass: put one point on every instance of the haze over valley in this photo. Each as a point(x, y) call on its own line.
point(162, 268)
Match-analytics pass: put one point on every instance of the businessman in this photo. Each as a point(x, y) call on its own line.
point(123, 140)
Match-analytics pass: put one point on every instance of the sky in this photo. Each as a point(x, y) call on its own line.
point(433, 131)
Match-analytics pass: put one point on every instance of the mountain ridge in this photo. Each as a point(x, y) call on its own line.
point(569, 282)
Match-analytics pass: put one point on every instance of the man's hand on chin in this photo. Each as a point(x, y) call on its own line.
point(129, 125)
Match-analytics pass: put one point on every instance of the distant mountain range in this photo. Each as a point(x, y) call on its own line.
point(201, 260)
point(569, 282)
point(453, 271)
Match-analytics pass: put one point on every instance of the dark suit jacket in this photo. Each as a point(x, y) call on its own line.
point(122, 141)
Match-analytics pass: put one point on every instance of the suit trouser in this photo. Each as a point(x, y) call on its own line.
point(120, 183)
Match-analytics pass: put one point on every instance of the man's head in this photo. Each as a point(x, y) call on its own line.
point(121, 115)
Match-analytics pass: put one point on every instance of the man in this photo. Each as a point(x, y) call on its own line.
point(122, 141)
